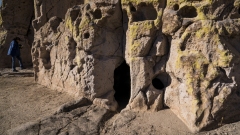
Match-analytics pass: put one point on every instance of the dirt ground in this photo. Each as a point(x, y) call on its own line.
point(22, 100)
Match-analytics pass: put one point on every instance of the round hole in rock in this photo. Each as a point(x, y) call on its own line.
point(74, 14)
point(133, 9)
point(176, 7)
point(149, 12)
point(86, 35)
point(188, 12)
point(157, 83)
point(122, 85)
point(144, 12)
point(97, 14)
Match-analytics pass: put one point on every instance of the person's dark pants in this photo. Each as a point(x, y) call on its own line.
point(13, 62)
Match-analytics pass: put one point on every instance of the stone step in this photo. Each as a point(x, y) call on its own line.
point(24, 74)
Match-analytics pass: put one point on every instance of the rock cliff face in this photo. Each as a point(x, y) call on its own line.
point(183, 54)
point(203, 61)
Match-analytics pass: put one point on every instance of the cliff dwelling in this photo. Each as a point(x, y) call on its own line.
point(122, 85)
point(137, 55)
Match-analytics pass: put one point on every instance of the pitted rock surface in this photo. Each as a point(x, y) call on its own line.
point(202, 62)
point(183, 54)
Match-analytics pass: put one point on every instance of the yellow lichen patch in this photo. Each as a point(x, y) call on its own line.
point(201, 16)
point(184, 37)
point(200, 12)
point(193, 63)
point(86, 1)
point(124, 2)
point(209, 1)
point(212, 73)
point(195, 108)
point(3, 35)
point(172, 2)
point(207, 29)
point(224, 58)
point(66, 38)
point(136, 31)
point(133, 59)
point(158, 21)
point(133, 31)
point(134, 48)
point(69, 24)
point(84, 23)
point(78, 60)
point(237, 3)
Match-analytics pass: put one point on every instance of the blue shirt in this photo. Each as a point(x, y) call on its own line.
point(14, 49)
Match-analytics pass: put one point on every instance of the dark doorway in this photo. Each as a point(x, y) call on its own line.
point(188, 12)
point(122, 85)
point(157, 83)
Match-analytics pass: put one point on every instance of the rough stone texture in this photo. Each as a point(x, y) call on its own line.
point(15, 20)
point(45, 9)
point(184, 44)
point(71, 53)
point(85, 119)
point(190, 47)
point(79, 52)
point(145, 46)
point(89, 119)
point(203, 59)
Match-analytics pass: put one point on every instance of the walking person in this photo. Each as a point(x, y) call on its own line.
point(14, 51)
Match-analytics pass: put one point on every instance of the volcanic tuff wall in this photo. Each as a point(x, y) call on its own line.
point(190, 46)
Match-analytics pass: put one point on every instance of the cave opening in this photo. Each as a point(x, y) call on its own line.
point(175, 7)
point(122, 85)
point(97, 14)
point(132, 8)
point(143, 12)
point(86, 35)
point(161, 81)
point(188, 12)
point(158, 84)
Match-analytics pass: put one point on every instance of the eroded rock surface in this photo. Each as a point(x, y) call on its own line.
point(86, 119)
point(203, 61)
point(145, 47)
point(81, 117)
point(183, 54)
point(75, 53)
point(183, 51)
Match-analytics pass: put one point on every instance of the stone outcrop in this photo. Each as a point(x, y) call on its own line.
point(203, 61)
point(15, 21)
point(86, 119)
point(183, 54)
point(79, 53)
point(145, 50)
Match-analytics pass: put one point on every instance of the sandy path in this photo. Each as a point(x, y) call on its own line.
point(22, 100)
